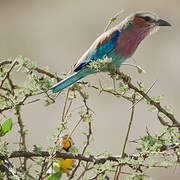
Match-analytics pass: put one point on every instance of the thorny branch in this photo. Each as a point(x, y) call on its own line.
point(118, 170)
point(80, 157)
point(91, 158)
point(43, 167)
point(127, 80)
point(22, 141)
point(87, 137)
point(97, 160)
point(8, 168)
point(41, 71)
point(113, 92)
point(8, 72)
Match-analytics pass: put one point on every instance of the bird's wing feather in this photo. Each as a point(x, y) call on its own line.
point(103, 45)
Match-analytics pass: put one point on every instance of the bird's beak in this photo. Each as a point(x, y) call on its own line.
point(161, 22)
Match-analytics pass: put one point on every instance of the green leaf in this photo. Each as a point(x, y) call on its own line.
point(56, 167)
point(113, 19)
point(55, 176)
point(6, 127)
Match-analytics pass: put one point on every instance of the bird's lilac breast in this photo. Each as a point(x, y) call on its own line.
point(128, 42)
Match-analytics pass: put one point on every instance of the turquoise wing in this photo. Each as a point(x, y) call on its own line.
point(104, 45)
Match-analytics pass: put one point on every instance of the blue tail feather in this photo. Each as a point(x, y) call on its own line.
point(69, 81)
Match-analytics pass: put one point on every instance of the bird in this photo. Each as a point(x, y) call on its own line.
point(118, 43)
point(61, 166)
point(64, 165)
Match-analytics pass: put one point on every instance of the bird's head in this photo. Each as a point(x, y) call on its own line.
point(66, 142)
point(144, 21)
point(134, 29)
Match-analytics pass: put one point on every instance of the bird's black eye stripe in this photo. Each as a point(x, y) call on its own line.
point(146, 18)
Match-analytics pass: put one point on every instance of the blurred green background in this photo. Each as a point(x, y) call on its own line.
point(56, 33)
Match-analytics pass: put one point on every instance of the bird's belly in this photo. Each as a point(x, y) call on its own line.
point(65, 164)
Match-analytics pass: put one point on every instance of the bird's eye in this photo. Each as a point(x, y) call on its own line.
point(147, 18)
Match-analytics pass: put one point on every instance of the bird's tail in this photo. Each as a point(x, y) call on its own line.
point(69, 81)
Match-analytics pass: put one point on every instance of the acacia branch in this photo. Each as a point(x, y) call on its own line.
point(64, 155)
point(8, 72)
point(101, 89)
point(118, 170)
point(127, 80)
point(8, 168)
point(41, 71)
point(22, 141)
point(87, 136)
point(37, 69)
point(91, 158)
point(5, 62)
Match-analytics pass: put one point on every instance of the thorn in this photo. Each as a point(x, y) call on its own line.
point(139, 69)
point(100, 84)
point(147, 131)
point(143, 97)
point(114, 83)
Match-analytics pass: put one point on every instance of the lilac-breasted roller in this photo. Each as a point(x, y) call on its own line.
point(118, 43)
